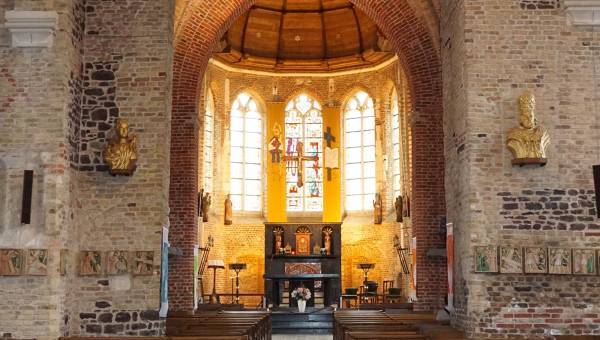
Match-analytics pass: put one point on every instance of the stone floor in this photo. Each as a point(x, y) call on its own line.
point(301, 337)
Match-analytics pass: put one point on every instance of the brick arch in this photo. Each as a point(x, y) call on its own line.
point(199, 26)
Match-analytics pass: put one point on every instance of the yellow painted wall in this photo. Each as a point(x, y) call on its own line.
point(276, 191)
point(332, 211)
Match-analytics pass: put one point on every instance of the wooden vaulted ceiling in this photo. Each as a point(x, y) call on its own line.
point(303, 35)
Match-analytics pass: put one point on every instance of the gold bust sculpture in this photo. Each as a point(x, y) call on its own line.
point(529, 141)
point(121, 152)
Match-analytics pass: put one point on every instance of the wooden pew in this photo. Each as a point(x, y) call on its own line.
point(157, 338)
point(372, 324)
point(255, 325)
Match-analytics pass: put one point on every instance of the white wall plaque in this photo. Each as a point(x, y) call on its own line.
point(31, 28)
point(583, 12)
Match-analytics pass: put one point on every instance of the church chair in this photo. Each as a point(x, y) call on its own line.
point(369, 292)
point(350, 295)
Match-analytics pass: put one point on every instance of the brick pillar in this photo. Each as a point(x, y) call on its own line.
point(428, 206)
point(183, 195)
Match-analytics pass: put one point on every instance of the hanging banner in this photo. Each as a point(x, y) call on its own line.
point(164, 273)
point(413, 276)
point(196, 268)
point(450, 257)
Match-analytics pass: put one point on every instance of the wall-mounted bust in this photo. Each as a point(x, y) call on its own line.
point(529, 141)
point(121, 152)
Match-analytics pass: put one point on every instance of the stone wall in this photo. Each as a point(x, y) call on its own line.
point(125, 73)
point(499, 49)
point(38, 90)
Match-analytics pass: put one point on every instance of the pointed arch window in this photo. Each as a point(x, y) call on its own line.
point(396, 169)
point(246, 154)
point(209, 123)
point(304, 154)
point(359, 127)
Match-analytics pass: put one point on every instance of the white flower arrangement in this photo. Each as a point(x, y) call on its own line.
point(301, 293)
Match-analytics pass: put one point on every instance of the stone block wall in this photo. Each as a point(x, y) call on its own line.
point(38, 87)
point(125, 73)
point(493, 51)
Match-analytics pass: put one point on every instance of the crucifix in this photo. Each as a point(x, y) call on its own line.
point(299, 161)
point(331, 156)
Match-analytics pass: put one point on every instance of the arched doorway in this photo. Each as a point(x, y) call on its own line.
point(199, 26)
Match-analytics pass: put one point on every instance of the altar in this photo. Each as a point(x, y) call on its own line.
point(302, 255)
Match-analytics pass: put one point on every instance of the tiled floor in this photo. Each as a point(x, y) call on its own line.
point(301, 337)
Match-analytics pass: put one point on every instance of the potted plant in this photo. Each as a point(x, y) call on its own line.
point(301, 295)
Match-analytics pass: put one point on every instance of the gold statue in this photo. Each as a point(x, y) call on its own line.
point(377, 209)
point(228, 211)
point(121, 153)
point(529, 141)
point(327, 231)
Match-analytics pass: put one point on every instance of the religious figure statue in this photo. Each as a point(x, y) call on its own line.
point(228, 210)
point(399, 208)
point(278, 231)
point(121, 152)
point(206, 202)
point(406, 206)
point(377, 209)
point(200, 195)
point(327, 231)
point(275, 144)
point(529, 141)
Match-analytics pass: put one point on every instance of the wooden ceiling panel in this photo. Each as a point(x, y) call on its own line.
point(271, 4)
point(235, 33)
point(301, 36)
point(333, 4)
point(303, 5)
point(262, 33)
point(368, 30)
point(342, 33)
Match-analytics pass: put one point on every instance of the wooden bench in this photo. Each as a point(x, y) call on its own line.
point(373, 324)
point(158, 338)
point(252, 324)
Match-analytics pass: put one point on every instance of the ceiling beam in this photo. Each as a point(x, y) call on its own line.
point(359, 31)
point(321, 10)
point(279, 37)
point(323, 31)
point(243, 43)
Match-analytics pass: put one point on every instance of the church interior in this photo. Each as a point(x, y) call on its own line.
point(299, 169)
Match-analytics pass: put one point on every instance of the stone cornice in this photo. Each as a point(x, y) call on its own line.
point(583, 12)
point(31, 28)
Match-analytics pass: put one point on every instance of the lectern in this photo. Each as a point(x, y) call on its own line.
point(215, 264)
point(237, 267)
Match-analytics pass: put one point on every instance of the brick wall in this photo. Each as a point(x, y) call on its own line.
point(201, 24)
point(38, 90)
point(125, 73)
point(245, 238)
point(528, 45)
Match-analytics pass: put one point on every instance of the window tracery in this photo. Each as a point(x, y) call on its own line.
point(246, 154)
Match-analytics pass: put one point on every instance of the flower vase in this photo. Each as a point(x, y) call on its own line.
point(301, 306)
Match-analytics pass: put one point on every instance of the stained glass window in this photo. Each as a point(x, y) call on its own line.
point(395, 113)
point(359, 123)
point(246, 154)
point(208, 141)
point(304, 154)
